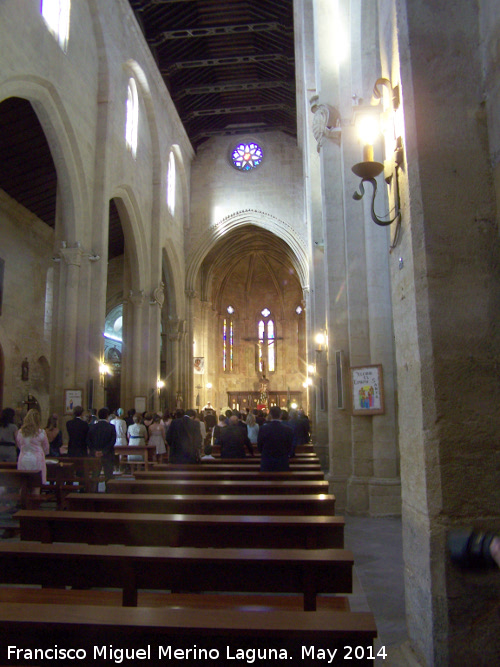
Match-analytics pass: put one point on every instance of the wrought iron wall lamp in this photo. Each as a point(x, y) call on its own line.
point(369, 169)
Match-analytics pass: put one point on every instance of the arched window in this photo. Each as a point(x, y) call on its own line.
point(227, 340)
point(267, 342)
point(132, 117)
point(56, 16)
point(171, 176)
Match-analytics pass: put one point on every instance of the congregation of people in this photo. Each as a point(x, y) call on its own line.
point(181, 437)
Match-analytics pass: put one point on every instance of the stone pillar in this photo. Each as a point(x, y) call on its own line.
point(156, 304)
point(445, 298)
point(137, 383)
point(327, 131)
point(173, 364)
point(64, 347)
point(187, 348)
point(306, 80)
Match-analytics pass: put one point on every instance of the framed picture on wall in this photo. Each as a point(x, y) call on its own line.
point(72, 398)
point(140, 404)
point(367, 390)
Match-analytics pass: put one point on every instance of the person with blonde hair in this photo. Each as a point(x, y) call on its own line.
point(33, 445)
point(252, 429)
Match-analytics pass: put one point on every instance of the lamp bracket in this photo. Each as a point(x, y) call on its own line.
point(394, 92)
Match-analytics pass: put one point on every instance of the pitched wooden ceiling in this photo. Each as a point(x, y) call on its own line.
point(229, 66)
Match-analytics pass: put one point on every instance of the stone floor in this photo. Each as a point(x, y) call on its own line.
point(378, 584)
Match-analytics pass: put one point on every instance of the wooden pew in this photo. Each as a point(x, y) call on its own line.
point(221, 473)
point(20, 485)
point(87, 470)
point(204, 487)
point(183, 530)
point(61, 480)
point(148, 453)
point(303, 451)
point(160, 630)
point(287, 505)
point(306, 571)
point(232, 464)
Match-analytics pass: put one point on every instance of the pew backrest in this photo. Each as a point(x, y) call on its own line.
point(225, 487)
point(306, 571)
point(158, 630)
point(232, 475)
point(305, 505)
point(183, 530)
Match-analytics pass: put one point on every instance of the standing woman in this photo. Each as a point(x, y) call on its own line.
point(121, 428)
point(252, 429)
point(54, 436)
point(157, 437)
point(137, 434)
point(33, 445)
point(8, 430)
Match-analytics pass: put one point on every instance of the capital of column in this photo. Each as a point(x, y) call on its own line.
point(136, 298)
point(326, 122)
point(158, 295)
point(72, 256)
point(191, 293)
point(174, 333)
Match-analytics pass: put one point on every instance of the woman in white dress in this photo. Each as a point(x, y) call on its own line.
point(157, 437)
point(121, 429)
point(33, 446)
point(137, 435)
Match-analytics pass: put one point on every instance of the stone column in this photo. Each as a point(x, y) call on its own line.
point(137, 385)
point(327, 132)
point(64, 348)
point(445, 299)
point(156, 304)
point(187, 348)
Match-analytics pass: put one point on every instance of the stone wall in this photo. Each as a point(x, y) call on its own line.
point(24, 304)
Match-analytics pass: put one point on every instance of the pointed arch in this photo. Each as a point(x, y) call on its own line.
point(134, 233)
point(73, 199)
point(260, 219)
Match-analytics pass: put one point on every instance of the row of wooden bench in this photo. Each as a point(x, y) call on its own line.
point(193, 538)
point(66, 473)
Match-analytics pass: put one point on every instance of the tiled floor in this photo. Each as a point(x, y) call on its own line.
point(378, 586)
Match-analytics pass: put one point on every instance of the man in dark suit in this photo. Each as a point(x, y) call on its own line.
point(184, 438)
point(77, 431)
point(234, 439)
point(101, 440)
point(275, 442)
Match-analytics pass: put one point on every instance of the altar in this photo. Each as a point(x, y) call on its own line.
point(240, 400)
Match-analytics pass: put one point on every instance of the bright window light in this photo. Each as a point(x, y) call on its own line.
point(56, 15)
point(171, 183)
point(132, 119)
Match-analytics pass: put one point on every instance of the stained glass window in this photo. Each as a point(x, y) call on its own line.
point(227, 344)
point(270, 346)
point(247, 156)
point(267, 343)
